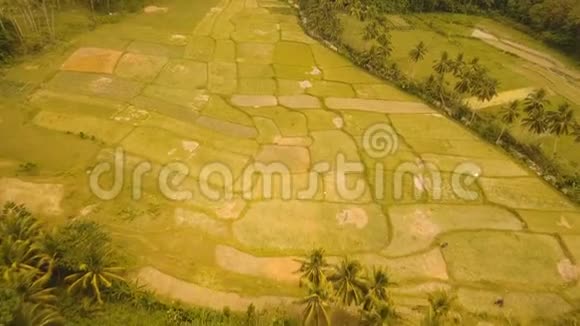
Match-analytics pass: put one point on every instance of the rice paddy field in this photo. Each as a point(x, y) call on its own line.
point(234, 83)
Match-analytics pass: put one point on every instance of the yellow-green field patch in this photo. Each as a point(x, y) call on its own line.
point(293, 222)
point(104, 130)
point(486, 257)
point(415, 227)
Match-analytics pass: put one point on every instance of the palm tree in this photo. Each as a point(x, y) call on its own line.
point(458, 64)
point(30, 287)
point(17, 223)
point(372, 12)
point(442, 66)
point(484, 88)
point(20, 255)
point(340, 4)
point(384, 40)
point(314, 268)
point(94, 274)
point(357, 10)
point(508, 115)
point(377, 56)
point(377, 285)
point(560, 123)
point(417, 54)
point(474, 63)
point(440, 303)
point(464, 83)
point(380, 315)
point(372, 30)
point(349, 284)
point(536, 101)
point(436, 88)
point(535, 121)
point(315, 313)
point(30, 314)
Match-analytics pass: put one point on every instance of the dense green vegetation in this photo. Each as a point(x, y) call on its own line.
point(450, 82)
point(28, 25)
point(72, 275)
point(345, 284)
point(555, 21)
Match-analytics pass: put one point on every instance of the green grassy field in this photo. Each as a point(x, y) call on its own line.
point(452, 33)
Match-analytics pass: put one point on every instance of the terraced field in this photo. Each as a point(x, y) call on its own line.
point(243, 90)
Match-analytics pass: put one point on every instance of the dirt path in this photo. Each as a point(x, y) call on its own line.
point(526, 53)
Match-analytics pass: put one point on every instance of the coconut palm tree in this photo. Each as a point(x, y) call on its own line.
point(348, 282)
point(442, 66)
point(373, 12)
point(440, 304)
point(382, 314)
point(94, 274)
point(458, 64)
point(372, 30)
point(31, 286)
point(376, 289)
point(357, 10)
point(17, 223)
point(436, 88)
point(19, 255)
point(484, 88)
point(417, 54)
point(377, 56)
point(314, 267)
point(508, 115)
point(536, 101)
point(340, 4)
point(535, 121)
point(464, 84)
point(30, 314)
point(315, 312)
point(560, 123)
point(384, 40)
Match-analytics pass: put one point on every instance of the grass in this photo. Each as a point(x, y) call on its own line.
point(20, 142)
point(319, 220)
point(493, 257)
point(451, 33)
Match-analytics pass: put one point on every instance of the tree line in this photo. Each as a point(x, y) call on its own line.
point(556, 22)
point(35, 264)
point(473, 79)
point(28, 25)
point(349, 284)
point(540, 119)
